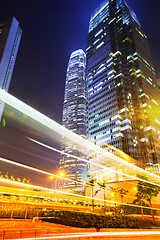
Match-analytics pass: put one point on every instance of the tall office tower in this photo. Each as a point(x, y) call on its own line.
point(123, 98)
point(10, 36)
point(74, 118)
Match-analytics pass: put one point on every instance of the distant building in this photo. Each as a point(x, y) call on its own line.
point(123, 96)
point(74, 117)
point(10, 36)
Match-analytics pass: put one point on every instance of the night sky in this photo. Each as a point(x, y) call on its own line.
point(52, 30)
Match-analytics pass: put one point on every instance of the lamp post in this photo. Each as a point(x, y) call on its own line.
point(59, 174)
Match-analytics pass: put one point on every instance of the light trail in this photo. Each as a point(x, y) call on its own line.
point(39, 171)
point(152, 150)
point(34, 169)
point(29, 153)
point(51, 174)
point(99, 234)
point(95, 164)
point(70, 194)
point(44, 172)
point(39, 117)
point(49, 123)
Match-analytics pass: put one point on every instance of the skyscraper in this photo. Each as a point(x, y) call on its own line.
point(10, 36)
point(74, 116)
point(123, 95)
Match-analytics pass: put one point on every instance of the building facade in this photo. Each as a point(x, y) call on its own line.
point(74, 118)
point(122, 91)
point(10, 36)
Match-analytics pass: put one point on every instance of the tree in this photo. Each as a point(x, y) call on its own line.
point(19, 180)
point(6, 176)
point(122, 192)
point(27, 181)
point(91, 182)
point(146, 191)
point(24, 180)
point(12, 177)
point(139, 201)
point(115, 192)
point(103, 188)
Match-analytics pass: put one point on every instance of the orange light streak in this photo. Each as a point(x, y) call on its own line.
point(68, 193)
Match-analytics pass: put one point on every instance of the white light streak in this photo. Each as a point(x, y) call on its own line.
point(41, 171)
point(154, 102)
point(98, 165)
point(47, 122)
point(98, 234)
point(32, 169)
point(19, 184)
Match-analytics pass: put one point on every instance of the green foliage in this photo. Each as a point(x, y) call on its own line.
point(91, 182)
point(90, 220)
point(119, 191)
point(6, 176)
point(136, 210)
point(122, 192)
point(11, 177)
point(102, 187)
point(115, 190)
point(147, 191)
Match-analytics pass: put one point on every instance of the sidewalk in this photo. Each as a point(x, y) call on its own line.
point(18, 229)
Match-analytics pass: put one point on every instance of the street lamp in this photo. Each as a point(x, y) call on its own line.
point(60, 174)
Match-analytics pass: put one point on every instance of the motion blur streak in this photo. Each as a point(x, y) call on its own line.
point(68, 193)
point(27, 152)
point(34, 169)
point(41, 171)
point(37, 170)
point(25, 166)
point(95, 164)
point(100, 234)
point(44, 120)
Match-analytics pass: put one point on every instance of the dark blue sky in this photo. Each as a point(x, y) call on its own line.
point(52, 29)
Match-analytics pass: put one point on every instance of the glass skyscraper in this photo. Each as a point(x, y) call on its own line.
point(123, 98)
point(74, 117)
point(10, 36)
